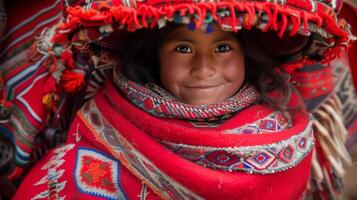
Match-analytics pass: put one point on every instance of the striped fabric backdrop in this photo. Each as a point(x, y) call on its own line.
point(25, 79)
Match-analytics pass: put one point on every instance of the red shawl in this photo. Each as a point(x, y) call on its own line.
point(117, 151)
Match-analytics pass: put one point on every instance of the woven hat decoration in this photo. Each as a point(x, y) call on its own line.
point(303, 31)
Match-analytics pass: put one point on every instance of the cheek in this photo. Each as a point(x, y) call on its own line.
point(234, 70)
point(172, 71)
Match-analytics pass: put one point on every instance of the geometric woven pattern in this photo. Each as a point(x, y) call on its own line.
point(287, 154)
point(141, 165)
point(253, 159)
point(97, 174)
point(55, 169)
point(274, 122)
point(261, 160)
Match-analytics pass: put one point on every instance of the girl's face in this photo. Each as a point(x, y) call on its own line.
point(201, 68)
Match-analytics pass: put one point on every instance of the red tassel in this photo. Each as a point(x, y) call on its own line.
point(296, 21)
point(67, 59)
point(143, 10)
point(270, 17)
point(274, 20)
point(59, 38)
point(251, 14)
point(156, 17)
point(283, 25)
point(331, 27)
point(72, 80)
point(200, 16)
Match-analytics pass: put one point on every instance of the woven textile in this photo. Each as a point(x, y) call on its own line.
point(115, 157)
point(160, 103)
point(330, 96)
point(23, 78)
point(119, 151)
point(21, 29)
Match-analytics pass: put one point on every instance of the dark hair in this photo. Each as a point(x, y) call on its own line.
point(139, 58)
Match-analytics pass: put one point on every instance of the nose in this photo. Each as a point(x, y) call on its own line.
point(203, 66)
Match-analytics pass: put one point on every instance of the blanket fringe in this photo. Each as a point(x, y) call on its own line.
point(330, 155)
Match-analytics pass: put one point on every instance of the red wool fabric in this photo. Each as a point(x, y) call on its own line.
point(349, 12)
point(131, 161)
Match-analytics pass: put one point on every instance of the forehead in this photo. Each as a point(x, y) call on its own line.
point(182, 32)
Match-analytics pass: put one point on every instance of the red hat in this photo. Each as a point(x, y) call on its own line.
point(306, 31)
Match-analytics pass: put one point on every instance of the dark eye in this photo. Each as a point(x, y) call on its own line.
point(183, 49)
point(222, 48)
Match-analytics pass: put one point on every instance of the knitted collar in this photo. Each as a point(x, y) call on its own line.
point(157, 101)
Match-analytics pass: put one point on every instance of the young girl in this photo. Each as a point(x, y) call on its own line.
point(188, 111)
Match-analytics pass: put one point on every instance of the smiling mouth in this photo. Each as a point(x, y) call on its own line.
point(202, 86)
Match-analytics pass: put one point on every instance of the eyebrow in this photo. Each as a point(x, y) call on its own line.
point(226, 38)
point(176, 36)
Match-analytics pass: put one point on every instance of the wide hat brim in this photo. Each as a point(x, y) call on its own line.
point(314, 20)
point(301, 32)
